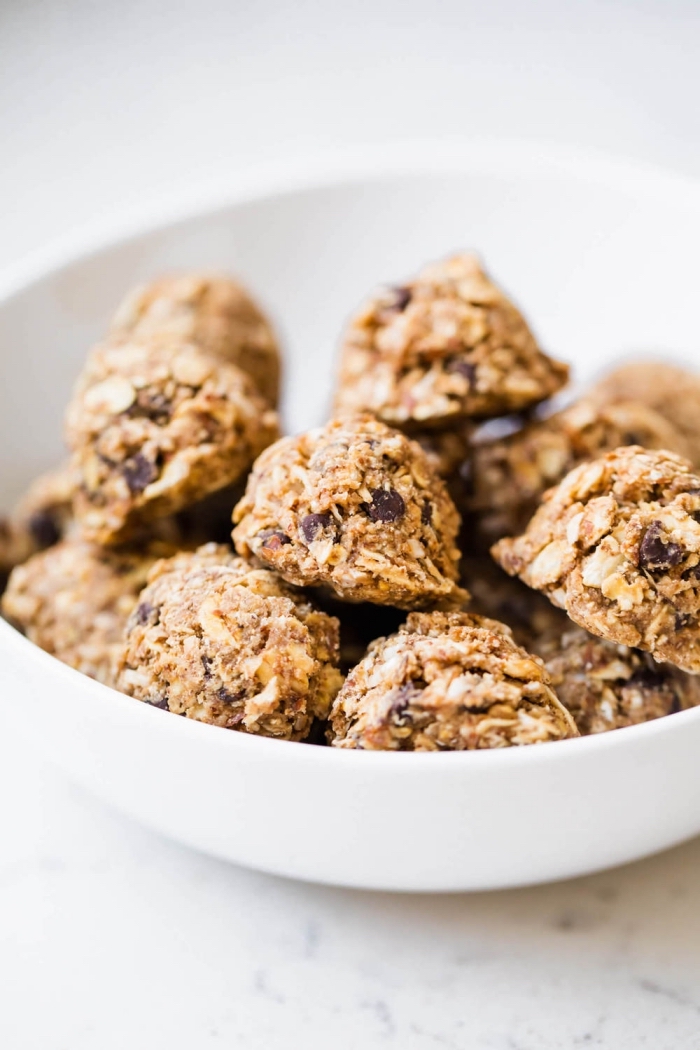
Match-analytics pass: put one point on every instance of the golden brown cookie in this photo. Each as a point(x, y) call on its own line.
point(509, 476)
point(155, 428)
point(494, 594)
point(617, 544)
point(42, 517)
point(354, 506)
point(671, 391)
point(74, 599)
point(220, 641)
point(214, 313)
point(447, 682)
point(447, 344)
point(609, 686)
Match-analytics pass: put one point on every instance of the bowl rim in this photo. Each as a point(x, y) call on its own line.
point(254, 184)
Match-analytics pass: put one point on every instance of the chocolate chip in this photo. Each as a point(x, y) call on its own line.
point(161, 702)
point(228, 698)
point(152, 405)
point(403, 697)
point(206, 664)
point(139, 472)
point(143, 612)
point(387, 505)
point(274, 540)
point(312, 524)
point(401, 297)
point(654, 553)
point(646, 678)
point(465, 369)
point(426, 513)
point(44, 528)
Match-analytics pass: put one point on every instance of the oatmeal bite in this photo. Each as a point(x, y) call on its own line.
point(509, 476)
point(447, 450)
point(354, 506)
point(221, 641)
point(607, 686)
point(446, 345)
point(215, 313)
point(155, 428)
point(530, 616)
point(669, 390)
point(42, 517)
point(617, 544)
point(447, 682)
point(449, 454)
point(361, 624)
point(73, 600)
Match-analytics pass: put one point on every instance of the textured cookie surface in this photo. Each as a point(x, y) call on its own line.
point(215, 313)
point(447, 681)
point(669, 390)
point(155, 428)
point(530, 616)
point(608, 686)
point(357, 507)
point(219, 641)
point(40, 519)
point(617, 544)
point(446, 344)
point(74, 599)
point(509, 476)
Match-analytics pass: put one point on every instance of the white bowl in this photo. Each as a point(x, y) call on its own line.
point(603, 258)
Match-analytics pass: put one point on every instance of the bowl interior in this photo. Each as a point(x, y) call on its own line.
point(601, 267)
point(602, 260)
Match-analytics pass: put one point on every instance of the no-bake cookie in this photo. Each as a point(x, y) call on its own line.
point(354, 506)
point(155, 428)
point(671, 391)
point(607, 686)
point(509, 476)
point(444, 345)
point(40, 519)
point(617, 544)
point(74, 599)
point(215, 313)
point(530, 616)
point(220, 641)
point(447, 682)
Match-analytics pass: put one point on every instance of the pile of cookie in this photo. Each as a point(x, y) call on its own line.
point(448, 564)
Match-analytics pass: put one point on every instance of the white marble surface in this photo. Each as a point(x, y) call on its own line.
point(111, 937)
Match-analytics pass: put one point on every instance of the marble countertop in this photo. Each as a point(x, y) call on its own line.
point(112, 937)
